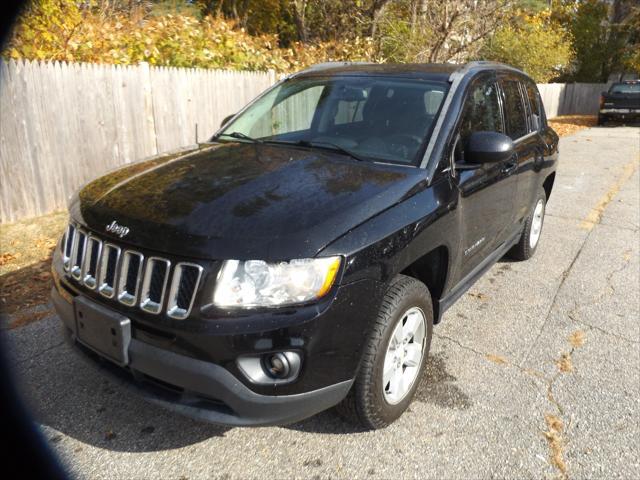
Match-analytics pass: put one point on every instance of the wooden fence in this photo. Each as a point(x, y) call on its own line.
point(571, 98)
point(64, 124)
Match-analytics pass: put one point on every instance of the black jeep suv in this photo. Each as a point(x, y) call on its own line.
point(300, 258)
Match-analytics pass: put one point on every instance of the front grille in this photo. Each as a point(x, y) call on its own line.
point(125, 275)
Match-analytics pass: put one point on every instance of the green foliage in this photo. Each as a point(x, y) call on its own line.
point(46, 30)
point(59, 30)
point(603, 44)
point(583, 40)
point(535, 44)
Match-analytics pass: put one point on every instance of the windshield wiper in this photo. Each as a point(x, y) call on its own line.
point(332, 146)
point(302, 143)
point(241, 136)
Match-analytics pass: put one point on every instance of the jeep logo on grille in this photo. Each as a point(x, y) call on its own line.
point(119, 230)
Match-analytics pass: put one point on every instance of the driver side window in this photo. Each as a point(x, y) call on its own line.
point(481, 112)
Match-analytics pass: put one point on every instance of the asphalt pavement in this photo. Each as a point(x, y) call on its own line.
point(535, 373)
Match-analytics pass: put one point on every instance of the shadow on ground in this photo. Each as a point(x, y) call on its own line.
point(70, 396)
point(25, 288)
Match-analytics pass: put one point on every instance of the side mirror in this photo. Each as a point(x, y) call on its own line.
point(226, 119)
point(488, 147)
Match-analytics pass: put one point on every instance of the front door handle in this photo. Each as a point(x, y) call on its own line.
point(509, 167)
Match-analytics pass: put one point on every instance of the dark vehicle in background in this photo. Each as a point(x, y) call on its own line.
point(300, 258)
point(621, 103)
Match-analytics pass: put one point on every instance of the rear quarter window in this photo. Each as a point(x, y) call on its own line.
point(536, 117)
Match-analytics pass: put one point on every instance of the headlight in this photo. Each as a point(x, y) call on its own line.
point(255, 283)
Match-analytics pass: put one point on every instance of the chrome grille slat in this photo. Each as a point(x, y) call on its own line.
point(68, 247)
point(91, 262)
point(184, 286)
point(129, 277)
point(108, 269)
point(125, 275)
point(77, 255)
point(154, 284)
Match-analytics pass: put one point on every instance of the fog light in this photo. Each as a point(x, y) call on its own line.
point(277, 365)
point(271, 368)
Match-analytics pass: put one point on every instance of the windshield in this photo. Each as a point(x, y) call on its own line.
point(626, 88)
point(376, 118)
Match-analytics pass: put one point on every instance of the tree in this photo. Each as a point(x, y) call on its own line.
point(436, 31)
point(535, 43)
point(605, 38)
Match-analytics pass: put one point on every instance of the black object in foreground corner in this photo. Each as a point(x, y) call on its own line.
point(24, 449)
point(267, 275)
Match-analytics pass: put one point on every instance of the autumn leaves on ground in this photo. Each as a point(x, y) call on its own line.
point(25, 259)
point(26, 247)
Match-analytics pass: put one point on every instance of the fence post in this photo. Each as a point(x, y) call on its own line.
point(148, 114)
point(272, 76)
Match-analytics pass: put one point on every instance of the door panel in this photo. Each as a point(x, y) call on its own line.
point(487, 192)
point(520, 100)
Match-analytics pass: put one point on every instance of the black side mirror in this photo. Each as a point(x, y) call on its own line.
point(488, 147)
point(226, 119)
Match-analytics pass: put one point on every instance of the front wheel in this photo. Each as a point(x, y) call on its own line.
point(394, 356)
point(526, 247)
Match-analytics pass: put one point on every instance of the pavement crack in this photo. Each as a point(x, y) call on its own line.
point(602, 330)
point(609, 289)
point(565, 275)
point(40, 353)
point(464, 347)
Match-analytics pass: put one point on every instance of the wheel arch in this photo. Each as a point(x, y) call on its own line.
point(432, 269)
point(548, 184)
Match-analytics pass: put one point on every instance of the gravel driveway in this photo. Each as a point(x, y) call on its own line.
point(534, 373)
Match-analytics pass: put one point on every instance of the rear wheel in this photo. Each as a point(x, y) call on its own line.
point(526, 247)
point(394, 356)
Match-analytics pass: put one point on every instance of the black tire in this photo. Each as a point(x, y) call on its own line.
point(523, 250)
point(365, 404)
point(601, 120)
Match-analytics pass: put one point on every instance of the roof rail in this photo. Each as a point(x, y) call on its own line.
point(477, 64)
point(318, 67)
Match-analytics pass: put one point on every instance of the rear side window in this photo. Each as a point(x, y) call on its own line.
point(514, 110)
point(535, 115)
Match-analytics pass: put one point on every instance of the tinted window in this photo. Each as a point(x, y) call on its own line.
point(535, 120)
point(514, 110)
point(625, 88)
point(481, 110)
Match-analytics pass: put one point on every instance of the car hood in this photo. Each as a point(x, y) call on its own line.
point(243, 201)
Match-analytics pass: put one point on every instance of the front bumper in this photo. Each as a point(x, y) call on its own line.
point(199, 389)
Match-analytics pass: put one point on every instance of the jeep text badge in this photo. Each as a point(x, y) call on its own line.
point(119, 230)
